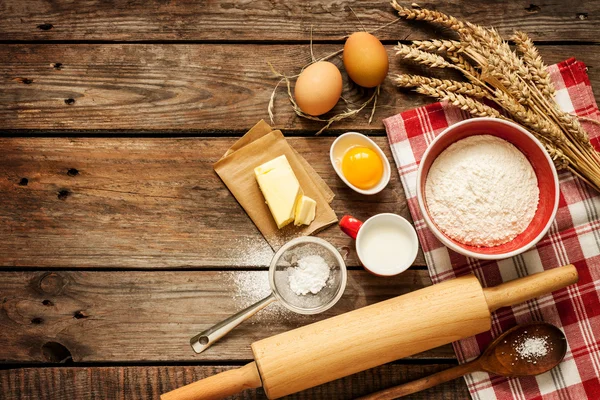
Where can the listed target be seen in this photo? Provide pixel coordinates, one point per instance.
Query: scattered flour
(482, 191)
(248, 251)
(310, 275)
(252, 286)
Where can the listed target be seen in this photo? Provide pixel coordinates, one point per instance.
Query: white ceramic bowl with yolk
(353, 139)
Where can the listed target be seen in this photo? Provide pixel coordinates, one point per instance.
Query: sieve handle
(207, 338)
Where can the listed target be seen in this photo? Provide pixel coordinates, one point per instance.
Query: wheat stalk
(567, 122)
(271, 106)
(422, 57)
(573, 126)
(434, 60)
(465, 103)
(529, 118)
(532, 58)
(463, 63)
(560, 160)
(497, 47)
(517, 81)
(452, 48)
(437, 45)
(422, 14)
(494, 68)
(443, 84)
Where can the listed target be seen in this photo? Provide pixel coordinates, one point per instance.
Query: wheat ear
(437, 17)
(491, 39)
(495, 71)
(517, 81)
(529, 118)
(474, 107)
(462, 62)
(450, 47)
(537, 68)
(574, 127)
(443, 84)
(437, 45)
(422, 57)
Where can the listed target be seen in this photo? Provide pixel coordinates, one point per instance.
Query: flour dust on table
(482, 191)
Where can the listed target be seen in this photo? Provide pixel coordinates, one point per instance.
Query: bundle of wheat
(516, 80)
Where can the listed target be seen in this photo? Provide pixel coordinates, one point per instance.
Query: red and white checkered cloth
(574, 237)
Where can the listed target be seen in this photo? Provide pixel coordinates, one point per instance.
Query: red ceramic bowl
(541, 163)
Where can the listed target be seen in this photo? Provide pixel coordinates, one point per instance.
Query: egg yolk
(362, 167)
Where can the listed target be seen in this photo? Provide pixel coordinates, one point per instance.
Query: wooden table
(117, 240)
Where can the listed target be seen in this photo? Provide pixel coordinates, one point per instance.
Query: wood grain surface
(143, 383)
(276, 20)
(147, 203)
(184, 88)
(103, 186)
(150, 316)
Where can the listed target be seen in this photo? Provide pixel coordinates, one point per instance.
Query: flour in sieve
(482, 191)
(309, 276)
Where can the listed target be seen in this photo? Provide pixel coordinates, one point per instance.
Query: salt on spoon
(497, 359)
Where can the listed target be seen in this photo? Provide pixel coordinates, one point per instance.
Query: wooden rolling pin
(374, 335)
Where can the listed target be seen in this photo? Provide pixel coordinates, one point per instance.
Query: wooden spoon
(500, 358)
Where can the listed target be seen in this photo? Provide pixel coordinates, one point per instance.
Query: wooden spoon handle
(424, 383)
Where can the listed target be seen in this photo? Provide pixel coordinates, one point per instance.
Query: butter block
(281, 189)
(305, 211)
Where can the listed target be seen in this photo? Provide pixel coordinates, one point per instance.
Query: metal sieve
(287, 257)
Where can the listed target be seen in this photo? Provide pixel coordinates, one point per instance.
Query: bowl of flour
(487, 188)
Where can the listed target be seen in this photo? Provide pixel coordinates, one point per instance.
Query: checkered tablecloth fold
(574, 237)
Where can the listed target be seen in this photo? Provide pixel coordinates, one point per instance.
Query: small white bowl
(374, 254)
(353, 139)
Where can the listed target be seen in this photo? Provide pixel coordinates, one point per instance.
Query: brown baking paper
(236, 169)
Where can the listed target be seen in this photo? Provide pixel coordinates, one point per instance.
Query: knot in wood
(52, 283)
(56, 352)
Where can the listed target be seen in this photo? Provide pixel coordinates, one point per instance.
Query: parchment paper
(236, 169)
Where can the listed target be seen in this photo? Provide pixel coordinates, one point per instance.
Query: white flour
(482, 191)
(310, 275)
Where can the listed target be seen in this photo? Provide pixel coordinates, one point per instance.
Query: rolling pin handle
(218, 386)
(529, 287)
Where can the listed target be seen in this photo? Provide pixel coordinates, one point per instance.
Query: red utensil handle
(350, 226)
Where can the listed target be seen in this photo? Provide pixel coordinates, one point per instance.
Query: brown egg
(365, 59)
(318, 88)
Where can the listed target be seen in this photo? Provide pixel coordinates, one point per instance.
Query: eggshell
(365, 59)
(318, 88)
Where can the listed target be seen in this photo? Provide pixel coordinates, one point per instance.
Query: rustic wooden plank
(186, 89)
(147, 203)
(133, 383)
(227, 20)
(150, 316)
